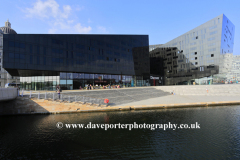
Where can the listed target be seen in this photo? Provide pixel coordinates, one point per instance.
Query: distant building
(232, 66)
(4, 76)
(199, 56)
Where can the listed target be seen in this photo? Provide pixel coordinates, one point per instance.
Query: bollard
(61, 98)
(38, 95)
(75, 98)
(53, 96)
(45, 95)
(22, 92)
(30, 94)
(69, 99)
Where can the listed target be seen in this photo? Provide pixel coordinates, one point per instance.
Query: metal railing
(65, 97)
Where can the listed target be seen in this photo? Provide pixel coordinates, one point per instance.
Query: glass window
(38, 50)
(31, 59)
(63, 75)
(86, 76)
(11, 55)
(30, 47)
(69, 81)
(91, 76)
(44, 51)
(81, 75)
(63, 82)
(69, 76)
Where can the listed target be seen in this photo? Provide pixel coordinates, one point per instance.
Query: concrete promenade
(184, 100)
(130, 99)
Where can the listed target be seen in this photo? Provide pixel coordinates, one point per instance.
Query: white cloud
(80, 29)
(58, 18)
(47, 9)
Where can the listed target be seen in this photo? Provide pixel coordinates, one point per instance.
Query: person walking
(58, 91)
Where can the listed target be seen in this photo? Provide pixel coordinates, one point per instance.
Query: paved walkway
(159, 96)
(178, 99)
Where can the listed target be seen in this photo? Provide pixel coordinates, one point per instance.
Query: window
(44, 61)
(196, 63)
(195, 58)
(210, 39)
(57, 51)
(91, 48)
(212, 55)
(193, 48)
(195, 53)
(38, 50)
(38, 60)
(44, 51)
(30, 48)
(57, 42)
(212, 49)
(31, 59)
(11, 44)
(214, 32)
(79, 46)
(201, 68)
(22, 56)
(109, 45)
(212, 27)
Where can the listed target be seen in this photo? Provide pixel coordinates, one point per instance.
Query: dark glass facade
(199, 56)
(174, 68)
(44, 60)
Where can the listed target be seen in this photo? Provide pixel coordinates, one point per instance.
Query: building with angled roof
(199, 56)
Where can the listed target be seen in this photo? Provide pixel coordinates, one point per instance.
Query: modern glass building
(44, 61)
(196, 56)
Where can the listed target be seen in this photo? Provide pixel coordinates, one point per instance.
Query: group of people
(109, 86)
(90, 87)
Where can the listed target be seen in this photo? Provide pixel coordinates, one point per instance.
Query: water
(37, 137)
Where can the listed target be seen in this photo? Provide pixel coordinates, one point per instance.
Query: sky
(162, 20)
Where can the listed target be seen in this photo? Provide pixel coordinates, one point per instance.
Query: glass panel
(69, 76)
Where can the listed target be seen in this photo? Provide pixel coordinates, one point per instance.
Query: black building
(44, 60)
(172, 67)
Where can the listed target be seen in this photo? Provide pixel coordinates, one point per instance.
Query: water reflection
(36, 136)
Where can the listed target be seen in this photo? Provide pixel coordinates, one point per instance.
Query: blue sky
(161, 20)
